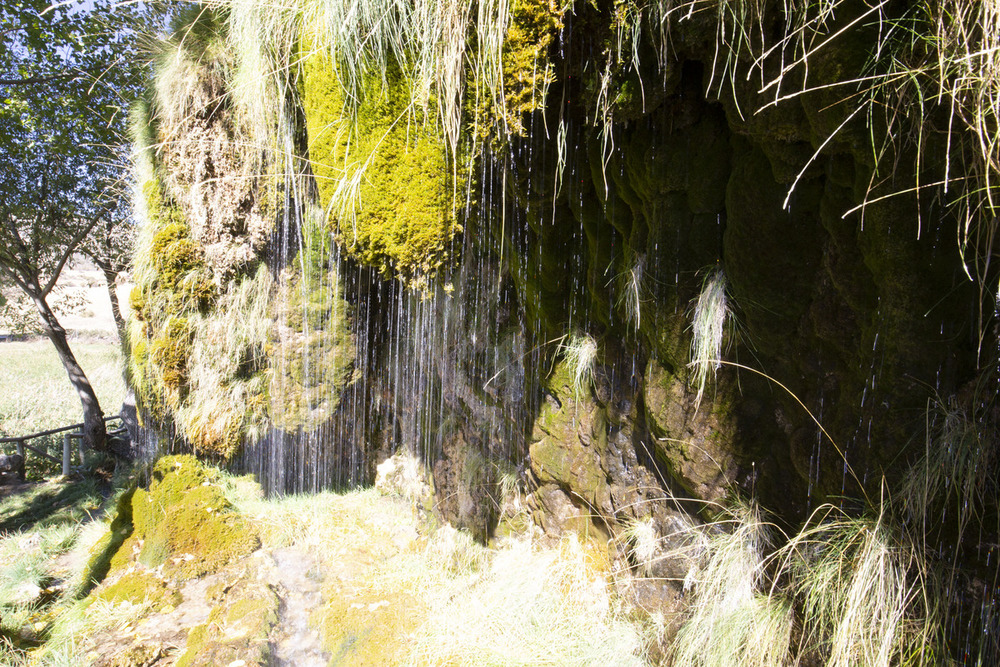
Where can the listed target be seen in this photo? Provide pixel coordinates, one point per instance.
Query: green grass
(45, 536)
(36, 394)
(52, 503)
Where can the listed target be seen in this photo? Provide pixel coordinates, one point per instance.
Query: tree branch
(12, 275)
(52, 78)
(70, 248)
(34, 80)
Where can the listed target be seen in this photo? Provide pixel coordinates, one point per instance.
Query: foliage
(66, 73)
(18, 315)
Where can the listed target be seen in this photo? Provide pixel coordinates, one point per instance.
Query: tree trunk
(111, 278)
(94, 431)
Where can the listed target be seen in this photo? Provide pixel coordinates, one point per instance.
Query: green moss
(104, 551)
(569, 439)
(314, 336)
(172, 285)
(402, 220)
(169, 353)
(184, 522)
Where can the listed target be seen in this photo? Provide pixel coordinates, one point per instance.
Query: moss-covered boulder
(695, 442)
(569, 440)
(183, 523)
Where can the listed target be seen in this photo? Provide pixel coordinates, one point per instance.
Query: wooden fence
(74, 432)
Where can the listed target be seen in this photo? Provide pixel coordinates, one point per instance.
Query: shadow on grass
(49, 504)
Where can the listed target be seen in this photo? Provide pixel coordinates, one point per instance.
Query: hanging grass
(708, 327)
(580, 353)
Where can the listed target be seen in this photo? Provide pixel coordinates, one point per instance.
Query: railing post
(67, 449)
(24, 461)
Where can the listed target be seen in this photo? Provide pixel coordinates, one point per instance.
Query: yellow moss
(169, 352)
(368, 629)
(527, 68)
(172, 283)
(403, 218)
(137, 302)
(137, 587)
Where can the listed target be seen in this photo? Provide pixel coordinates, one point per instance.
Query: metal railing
(72, 432)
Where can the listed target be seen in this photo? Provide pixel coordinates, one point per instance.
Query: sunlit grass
(41, 571)
(36, 394)
(852, 590)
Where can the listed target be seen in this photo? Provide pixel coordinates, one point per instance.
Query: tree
(66, 76)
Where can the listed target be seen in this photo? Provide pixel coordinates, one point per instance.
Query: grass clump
(734, 620)
(957, 479)
(708, 327)
(842, 591)
(868, 597)
(643, 543)
(580, 354)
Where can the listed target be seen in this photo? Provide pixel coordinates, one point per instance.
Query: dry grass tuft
(708, 327)
(580, 352)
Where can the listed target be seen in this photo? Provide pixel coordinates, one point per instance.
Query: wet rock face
(605, 218)
(694, 442)
(849, 316)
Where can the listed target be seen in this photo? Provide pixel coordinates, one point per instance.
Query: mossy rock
(237, 629)
(184, 523)
(367, 629)
(569, 440)
(316, 346)
(403, 219)
(181, 279)
(169, 352)
(696, 442)
(102, 553)
(527, 67)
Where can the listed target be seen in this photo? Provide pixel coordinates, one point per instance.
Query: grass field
(36, 395)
